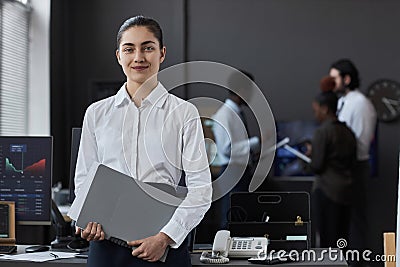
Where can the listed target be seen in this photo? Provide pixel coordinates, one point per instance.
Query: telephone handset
(239, 247)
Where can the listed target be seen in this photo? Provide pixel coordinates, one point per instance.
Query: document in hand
(125, 207)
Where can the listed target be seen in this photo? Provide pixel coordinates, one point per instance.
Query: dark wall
(287, 45)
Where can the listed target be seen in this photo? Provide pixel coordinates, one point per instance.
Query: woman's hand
(308, 149)
(152, 248)
(91, 232)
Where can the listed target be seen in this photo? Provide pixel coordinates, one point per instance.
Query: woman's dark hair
(346, 67)
(149, 23)
(328, 99)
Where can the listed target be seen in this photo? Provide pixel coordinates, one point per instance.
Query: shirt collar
(233, 105)
(121, 96)
(350, 93)
(156, 97)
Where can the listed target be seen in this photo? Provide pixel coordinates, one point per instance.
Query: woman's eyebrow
(148, 42)
(143, 43)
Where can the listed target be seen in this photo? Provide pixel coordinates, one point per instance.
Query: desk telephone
(237, 247)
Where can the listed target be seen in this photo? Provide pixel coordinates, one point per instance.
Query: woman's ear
(163, 52)
(118, 56)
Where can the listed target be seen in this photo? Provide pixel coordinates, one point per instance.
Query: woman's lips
(139, 68)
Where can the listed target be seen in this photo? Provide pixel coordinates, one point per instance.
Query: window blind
(14, 67)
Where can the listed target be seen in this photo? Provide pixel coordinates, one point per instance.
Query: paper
(283, 142)
(40, 256)
(297, 153)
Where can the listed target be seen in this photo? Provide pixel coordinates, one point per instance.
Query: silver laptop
(126, 208)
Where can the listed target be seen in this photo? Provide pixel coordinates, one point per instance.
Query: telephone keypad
(241, 244)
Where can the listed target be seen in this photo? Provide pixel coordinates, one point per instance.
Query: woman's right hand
(92, 231)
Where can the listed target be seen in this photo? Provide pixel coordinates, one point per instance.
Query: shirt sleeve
(222, 139)
(198, 181)
(318, 151)
(87, 154)
(238, 151)
(363, 125)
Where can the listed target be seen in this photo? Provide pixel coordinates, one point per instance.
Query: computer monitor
(26, 177)
(75, 141)
(299, 132)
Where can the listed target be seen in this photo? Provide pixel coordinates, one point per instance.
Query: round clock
(385, 96)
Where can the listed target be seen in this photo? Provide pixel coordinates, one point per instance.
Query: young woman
(333, 155)
(151, 135)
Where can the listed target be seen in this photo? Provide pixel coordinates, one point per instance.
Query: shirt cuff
(176, 232)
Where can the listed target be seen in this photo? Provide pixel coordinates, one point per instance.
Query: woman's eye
(148, 48)
(128, 50)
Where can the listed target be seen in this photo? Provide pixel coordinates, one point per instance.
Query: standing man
(234, 147)
(359, 114)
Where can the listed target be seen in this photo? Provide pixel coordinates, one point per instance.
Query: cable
(208, 258)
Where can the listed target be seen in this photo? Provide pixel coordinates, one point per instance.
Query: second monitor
(26, 177)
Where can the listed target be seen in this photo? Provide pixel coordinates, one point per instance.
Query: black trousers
(107, 254)
(332, 219)
(359, 221)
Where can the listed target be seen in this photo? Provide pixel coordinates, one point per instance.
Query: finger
(135, 243)
(77, 230)
(143, 255)
(98, 232)
(93, 231)
(136, 252)
(152, 259)
(85, 233)
(102, 235)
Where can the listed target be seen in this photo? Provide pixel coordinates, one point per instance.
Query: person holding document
(333, 154)
(151, 135)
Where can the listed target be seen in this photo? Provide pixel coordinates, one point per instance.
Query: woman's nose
(139, 56)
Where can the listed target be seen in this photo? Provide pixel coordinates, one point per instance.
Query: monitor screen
(299, 132)
(4, 221)
(26, 177)
(75, 141)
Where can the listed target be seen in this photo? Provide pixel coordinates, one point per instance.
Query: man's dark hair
(347, 67)
(149, 23)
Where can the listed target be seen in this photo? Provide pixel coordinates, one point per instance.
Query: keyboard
(7, 249)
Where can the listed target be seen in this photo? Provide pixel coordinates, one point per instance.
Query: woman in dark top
(333, 155)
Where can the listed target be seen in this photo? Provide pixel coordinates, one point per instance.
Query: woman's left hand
(152, 248)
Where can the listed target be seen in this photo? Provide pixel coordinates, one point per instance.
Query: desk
(75, 262)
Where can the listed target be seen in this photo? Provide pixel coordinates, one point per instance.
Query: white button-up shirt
(360, 116)
(231, 139)
(151, 143)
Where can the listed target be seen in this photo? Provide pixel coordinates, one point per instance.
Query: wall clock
(385, 96)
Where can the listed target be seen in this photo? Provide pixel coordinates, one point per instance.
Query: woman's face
(139, 54)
